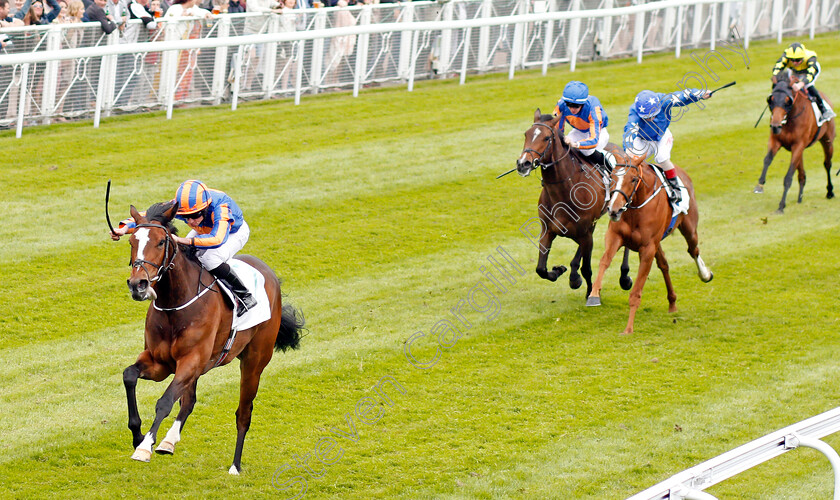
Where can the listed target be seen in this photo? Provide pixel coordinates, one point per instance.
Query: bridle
(629, 198)
(168, 259)
(540, 161)
(787, 107)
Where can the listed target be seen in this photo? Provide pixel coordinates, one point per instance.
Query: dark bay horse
(640, 215)
(793, 127)
(187, 328)
(572, 199)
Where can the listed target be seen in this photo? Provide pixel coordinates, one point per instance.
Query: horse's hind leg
(147, 368)
(688, 228)
(801, 170)
(167, 446)
(586, 267)
(828, 150)
(795, 159)
(253, 361)
(646, 256)
(662, 264)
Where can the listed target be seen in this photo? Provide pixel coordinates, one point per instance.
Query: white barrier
(690, 483)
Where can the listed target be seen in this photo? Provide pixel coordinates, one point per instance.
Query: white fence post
(362, 49)
(406, 38)
(638, 36)
(51, 75)
(550, 6)
(315, 75)
(220, 62)
(574, 36)
(24, 83)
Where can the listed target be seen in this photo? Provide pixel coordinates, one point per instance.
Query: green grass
(378, 212)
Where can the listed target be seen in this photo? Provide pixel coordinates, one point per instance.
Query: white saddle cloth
(254, 281)
(682, 206)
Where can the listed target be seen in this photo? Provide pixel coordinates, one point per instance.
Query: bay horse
(573, 198)
(794, 127)
(187, 330)
(640, 216)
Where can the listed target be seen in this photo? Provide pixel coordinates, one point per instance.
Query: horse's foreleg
(186, 374)
(768, 159)
(145, 367)
(586, 266)
(828, 150)
(542, 263)
(574, 278)
(662, 264)
(612, 242)
(646, 255)
(251, 366)
(800, 167)
(688, 228)
(167, 446)
(625, 281)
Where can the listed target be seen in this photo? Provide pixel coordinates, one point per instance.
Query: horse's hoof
(759, 189)
(142, 455)
(625, 282)
(165, 448)
(593, 301)
(575, 281)
(780, 211)
(829, 195)
(233, 471)
(628, 331)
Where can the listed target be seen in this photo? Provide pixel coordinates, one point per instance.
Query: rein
(629, 198)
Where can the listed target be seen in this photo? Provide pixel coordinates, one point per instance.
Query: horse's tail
(291, 323)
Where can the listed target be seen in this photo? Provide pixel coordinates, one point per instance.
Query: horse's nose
(139, 289)
(776, 129)
(615, 215)
(524, 167)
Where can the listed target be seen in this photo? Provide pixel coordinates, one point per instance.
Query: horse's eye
(161, 242)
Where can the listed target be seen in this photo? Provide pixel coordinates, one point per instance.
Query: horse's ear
(170, 212)
(136, 215)
(553, 122)
(537, 115)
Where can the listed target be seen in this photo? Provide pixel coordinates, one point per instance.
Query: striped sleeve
(780, 65)
(221, 229)
(594, 129)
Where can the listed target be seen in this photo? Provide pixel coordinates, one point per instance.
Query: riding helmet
(647, 104)
(575, 92)
(795, 51)
(191, 197)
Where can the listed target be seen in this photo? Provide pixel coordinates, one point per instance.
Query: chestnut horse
(187, 330)
(793, 127)
(573, 198)
(642, 195)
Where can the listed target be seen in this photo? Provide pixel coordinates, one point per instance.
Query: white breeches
(661, 149)
(211, 258)
(577, 136)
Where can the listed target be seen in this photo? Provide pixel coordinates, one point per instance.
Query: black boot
(827, 113)
(600, 159)
(225, 274)
(676, 195)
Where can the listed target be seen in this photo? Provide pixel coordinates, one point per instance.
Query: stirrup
(245, 304)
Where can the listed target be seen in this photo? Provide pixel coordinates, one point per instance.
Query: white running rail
(690, 483)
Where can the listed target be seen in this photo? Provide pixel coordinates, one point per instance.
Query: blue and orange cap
(191, 197)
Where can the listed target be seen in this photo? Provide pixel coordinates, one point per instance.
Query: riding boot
(226, 275)
(601, 159)
(676, 195)
(827, 112)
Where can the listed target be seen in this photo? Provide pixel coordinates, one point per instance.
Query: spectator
(156, 8)
(118, 9)
(96, 13)
(139, 9)
(20, 8)
(36, 14)
(62, 15)
(70, 86)
(5, 20)
(186, 30)
(236, 6)
(255, 25)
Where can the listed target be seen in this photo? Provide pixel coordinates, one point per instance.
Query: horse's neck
(562, 165)
(648, 185)
(180, 282)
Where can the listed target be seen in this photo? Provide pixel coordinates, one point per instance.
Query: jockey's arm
(779, 66)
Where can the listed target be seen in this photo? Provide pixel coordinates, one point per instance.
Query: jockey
(218, 231)
(803, 63)
(647, 132)
(588, 120)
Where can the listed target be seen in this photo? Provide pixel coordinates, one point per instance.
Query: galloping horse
(794, 127)
(641, 194)
(187, 330)
(573, 198)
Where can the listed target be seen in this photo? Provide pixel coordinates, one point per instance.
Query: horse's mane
(158, 213)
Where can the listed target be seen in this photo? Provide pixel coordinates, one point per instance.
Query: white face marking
(616, 193)
(537, 133)
(142, 236)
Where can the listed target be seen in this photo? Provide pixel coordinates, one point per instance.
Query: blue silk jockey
(589, 121)
(218, 231)
(646, 132)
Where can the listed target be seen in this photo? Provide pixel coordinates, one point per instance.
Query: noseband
(168, 259)
(627, 198)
